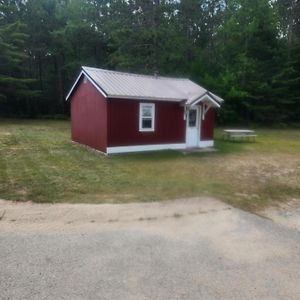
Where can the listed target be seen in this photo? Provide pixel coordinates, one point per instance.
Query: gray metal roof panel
(126, 85)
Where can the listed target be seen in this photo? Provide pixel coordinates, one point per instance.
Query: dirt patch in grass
(259, 179)
(285, 213)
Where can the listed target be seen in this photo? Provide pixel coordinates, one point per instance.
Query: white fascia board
(202, 98)
(140, 148)
(83, 72)
(144, 98)
(191, 100)
(72, 88)
(219, 99)
(90, 80)
(94, 84)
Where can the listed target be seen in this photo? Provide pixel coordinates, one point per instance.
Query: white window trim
(141, 129)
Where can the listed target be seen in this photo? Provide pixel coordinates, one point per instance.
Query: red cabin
(116, 112)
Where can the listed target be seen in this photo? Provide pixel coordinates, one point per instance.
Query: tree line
(246, 51)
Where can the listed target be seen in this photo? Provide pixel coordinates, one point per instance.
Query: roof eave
(146, 98)
(216, 100)
(204, 96)
(83, 72)
(74, 85)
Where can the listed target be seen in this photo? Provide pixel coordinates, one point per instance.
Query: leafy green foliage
(11, 56)
(246, 51)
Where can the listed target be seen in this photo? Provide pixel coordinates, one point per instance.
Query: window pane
(146, 123)
(146, 111)
(192, 118)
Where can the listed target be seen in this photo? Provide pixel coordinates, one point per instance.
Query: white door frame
(198, 127)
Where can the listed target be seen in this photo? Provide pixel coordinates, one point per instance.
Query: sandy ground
(28, 216)
(23, 216)
(286, 214)
(197, 248)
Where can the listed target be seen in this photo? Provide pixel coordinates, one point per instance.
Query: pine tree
(248, 52)
(287, 82)
(14, 85)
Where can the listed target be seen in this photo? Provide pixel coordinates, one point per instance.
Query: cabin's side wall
(207, 126)
(123, 124)
(89, 116)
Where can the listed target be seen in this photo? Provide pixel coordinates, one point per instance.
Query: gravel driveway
(185, 249)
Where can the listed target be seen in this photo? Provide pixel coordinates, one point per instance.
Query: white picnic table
(233, 134)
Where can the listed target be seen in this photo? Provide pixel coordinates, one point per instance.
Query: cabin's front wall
(207, 126)
(123, 126)
(89, 116)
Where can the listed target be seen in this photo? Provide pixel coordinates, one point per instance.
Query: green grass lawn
(38, 162)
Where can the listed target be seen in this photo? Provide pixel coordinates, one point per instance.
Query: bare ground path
(28, 216)
(196, 248)
(286, 213)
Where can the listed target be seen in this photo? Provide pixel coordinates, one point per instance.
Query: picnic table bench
(242, 134)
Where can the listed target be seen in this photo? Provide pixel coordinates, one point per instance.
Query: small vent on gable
(85, 80)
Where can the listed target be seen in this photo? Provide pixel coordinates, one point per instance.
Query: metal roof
(113, 84)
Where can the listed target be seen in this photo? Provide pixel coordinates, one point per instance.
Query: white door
(192, 129)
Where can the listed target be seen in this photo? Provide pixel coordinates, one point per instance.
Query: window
(192, 118)
(147, 116)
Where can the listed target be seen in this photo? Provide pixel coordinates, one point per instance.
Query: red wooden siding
(123, 123)
(207, 126)
(89, 116)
